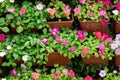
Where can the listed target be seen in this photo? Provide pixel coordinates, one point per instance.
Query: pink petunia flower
(45, 41)
(91, 14)
(82, 1)
(71, 73)
(81, 36)
(56, 75)
(39, 6)
(65, 71)
(64, 42)
(76, 10)
(103, 12)
(22, 11)
(101, 46)
(101, 52)
(72, 48)
(108, 40)
(11, 10)
(88, 78)
(35, 76)
(58, 38)
(85, 51)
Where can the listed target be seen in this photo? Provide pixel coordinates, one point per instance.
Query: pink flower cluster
(65, 72)
(13, 72)
(81, 35)
(54, 31)
(101, 49)
(105, 2)
(35, 76)
(88, 78)
(103, 36)
(45, 41)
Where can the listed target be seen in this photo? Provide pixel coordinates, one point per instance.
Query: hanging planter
(1, 60)
(57, 58)
(117, 60)
(94, 60)
(93, 26)
(117, 26)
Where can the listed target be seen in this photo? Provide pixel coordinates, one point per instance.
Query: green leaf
(9, 16)
(26, 43)
(29, 64)
(19, 29)
(5, 29)
(16, 56)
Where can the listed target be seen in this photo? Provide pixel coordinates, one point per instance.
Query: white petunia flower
(39, 6)
(25, 58)
(9, 47)
(114, 71)
(2, 0)
(2, 54)
(12, 1)
(115, 12)
(3, 79)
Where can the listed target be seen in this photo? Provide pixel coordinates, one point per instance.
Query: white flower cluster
(2, 54)
(25, 58)
(115, 12)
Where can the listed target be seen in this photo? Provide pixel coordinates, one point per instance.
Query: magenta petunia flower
(101, 52)
(108, 40)
(56, 75)
(88, 78)
(76, 10)
(81, 36)
(22, 11)
(72, 48)
(103, 12)
(71, 73)
(2, 37)
(101, 46)
(118, 6)
(45, 41)
(104, 22)
(64, 42)
(13, 72)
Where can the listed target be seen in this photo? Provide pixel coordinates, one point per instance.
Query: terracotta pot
(117, 26)
(93, 26)
(94, 60)
(117, 60)
(61, 23)
(56, 58)
(1, 60)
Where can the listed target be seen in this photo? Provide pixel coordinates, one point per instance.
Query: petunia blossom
(76, 10)
(72, 48)
(39, 6)
(56, 75)
(22, 11)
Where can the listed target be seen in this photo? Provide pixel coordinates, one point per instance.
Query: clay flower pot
(117, 26)
(117, 60)
(93, 26)
(94, 60)
(60, 24)
(1, 60)
(57, 58)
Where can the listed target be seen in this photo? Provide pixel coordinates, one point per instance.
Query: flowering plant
(25, 47)
(27, 16)
(115, 45)
(64, 41)
(96, 44)
(116, 11)
(58, 10)
(92, 10)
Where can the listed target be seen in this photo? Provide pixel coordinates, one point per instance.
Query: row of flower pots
(22, 17)
(35, 48)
